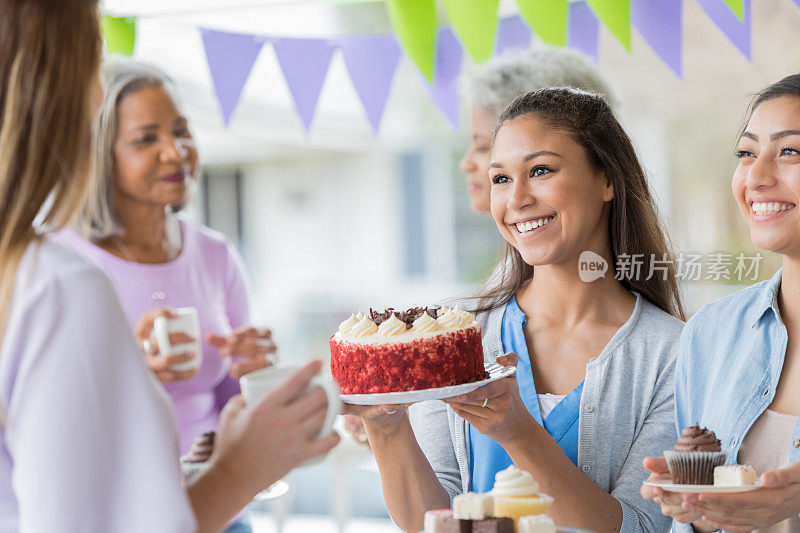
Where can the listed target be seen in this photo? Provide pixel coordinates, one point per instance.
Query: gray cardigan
(626, 414)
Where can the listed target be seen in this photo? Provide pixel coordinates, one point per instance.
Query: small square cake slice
(536, 524)
(456, 525)
(734, 476)
(473, 506)
(501, 524)
(434, 520)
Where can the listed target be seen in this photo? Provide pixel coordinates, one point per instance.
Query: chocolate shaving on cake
(408, 316)
(379, 317)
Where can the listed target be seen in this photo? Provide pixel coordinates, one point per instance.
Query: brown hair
(788, 86)
(49, 56)
(634, 225)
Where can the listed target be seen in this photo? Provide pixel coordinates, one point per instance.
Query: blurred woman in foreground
(87, 438)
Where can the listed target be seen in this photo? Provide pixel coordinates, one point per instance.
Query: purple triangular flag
(660, 23)
(512, 32)
(230, 58)
(444, 89)
(738, 31)
(583, 29)
(797, 2)
(371, 62)
(304, 63)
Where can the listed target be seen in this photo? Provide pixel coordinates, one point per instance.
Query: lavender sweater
(209, 275)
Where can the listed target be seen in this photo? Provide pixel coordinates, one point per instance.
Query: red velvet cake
(393, 351)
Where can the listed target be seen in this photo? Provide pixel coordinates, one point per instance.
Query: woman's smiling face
(547, 200)
(766, 183)
(155, 156)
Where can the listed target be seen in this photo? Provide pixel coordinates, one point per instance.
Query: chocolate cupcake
(196, 460)
(693, 458)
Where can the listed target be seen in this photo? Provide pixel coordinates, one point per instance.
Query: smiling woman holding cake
(593, 392)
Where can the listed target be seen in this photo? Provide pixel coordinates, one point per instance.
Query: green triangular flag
(548, 18)
(120, 33)
(475, 23)
(414, 22)
(616, 15)
(737, 6)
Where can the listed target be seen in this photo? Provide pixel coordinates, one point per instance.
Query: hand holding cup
(169, 365)
(262, 439)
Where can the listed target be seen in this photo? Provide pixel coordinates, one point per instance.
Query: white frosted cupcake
(516, 494)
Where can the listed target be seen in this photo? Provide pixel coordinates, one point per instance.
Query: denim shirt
(729, 362)
(487, 458)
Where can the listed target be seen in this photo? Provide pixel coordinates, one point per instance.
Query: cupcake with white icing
(516, 494)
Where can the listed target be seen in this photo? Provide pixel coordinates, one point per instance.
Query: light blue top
(487, 457)
(729, 363)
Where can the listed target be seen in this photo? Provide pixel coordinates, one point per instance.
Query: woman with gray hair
(146, 160)
(490, 87)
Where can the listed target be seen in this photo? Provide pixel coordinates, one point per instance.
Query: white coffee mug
(259, 383)
(187, 322)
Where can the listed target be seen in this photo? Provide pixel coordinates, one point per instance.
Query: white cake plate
(699, 489)
(276, 490)
(387, 398)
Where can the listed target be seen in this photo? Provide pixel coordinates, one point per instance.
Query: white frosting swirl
(449, 319)
(514, 482)
(364, 327)
(442, 310)
(464, 317)
(345, 326)
(425, 324)
(392, 326)
(360, 315)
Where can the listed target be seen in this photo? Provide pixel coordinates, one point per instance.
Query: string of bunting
(371, 60)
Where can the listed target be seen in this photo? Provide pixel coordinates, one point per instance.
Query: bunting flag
(475, 22)
(304, 63)
(737, 31)
(512, 32)
(120, 34)
(584, 29)
(230, 59)
(444, 89)
(660, 23)
(616, 15)
(414, 23)
(548, 18)
(371, 62)
(737, 7)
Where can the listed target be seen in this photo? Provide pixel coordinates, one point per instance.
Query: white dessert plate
(276, 490)
(387, 398)
(564, 530)
(699, 489)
